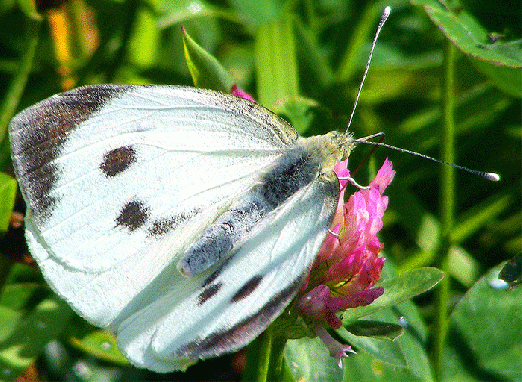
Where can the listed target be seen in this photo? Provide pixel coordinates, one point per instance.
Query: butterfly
(184, 220)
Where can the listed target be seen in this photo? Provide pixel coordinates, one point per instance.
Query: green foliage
(500, 61)
(486, 328)
(397, 290)
(7, 198)
(30, 316)
(304, 60)
(206, 71)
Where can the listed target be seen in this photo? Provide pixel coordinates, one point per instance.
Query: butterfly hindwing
(235, 301)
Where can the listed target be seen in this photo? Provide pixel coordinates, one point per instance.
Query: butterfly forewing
(120, 172)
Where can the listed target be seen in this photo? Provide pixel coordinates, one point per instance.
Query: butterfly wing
(119, 180)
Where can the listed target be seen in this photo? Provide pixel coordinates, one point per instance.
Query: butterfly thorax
(328, 149)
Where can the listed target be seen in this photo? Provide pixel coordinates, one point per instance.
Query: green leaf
(27, 336)
(465, 31)
(363, 367)
(276, 62)
(258, 12)
(485, 338)
(8, 187)
(505, 78)
(462, 266)
(479, 216)
(21, 273)
(421, 224)
(396, 290)
(30, 316)
(312, 56)
(367, 22)
(480, 106)
(29, 9)
(309, 360)
(8, 320)
(501, 61)
(386, 351)
(181, 11)
(299, 111)
(144, 40)
(16, 87)
(205, 69)
(22, 296)
(406, 352)
(377, 329)
(403, 359)
(100, 344)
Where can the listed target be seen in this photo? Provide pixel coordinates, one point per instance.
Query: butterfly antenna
(366, 140)
(384, 17)
(486, 175)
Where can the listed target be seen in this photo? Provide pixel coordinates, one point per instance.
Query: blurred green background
(446, 81)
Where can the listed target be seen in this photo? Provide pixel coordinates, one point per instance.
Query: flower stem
(277, 366)
(258, 358)
(17, 86)
(265, 360)
(447, 203)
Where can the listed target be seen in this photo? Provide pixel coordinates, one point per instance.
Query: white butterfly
(183, 219)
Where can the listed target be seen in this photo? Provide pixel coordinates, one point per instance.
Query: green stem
(258, 358)
(447, 203)
(17, 86)
(277, 365)
(131, 13)
(265, 360)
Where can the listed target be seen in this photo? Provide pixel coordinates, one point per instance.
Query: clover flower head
(348, 264)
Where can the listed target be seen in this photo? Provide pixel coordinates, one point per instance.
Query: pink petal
(313, 303)
(362, 298)
(384, 176)
(240, 93)
(341, 169)
(329, 246)
(337, 350)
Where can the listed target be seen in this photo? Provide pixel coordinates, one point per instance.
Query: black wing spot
(132, 216)
(227, 339)
(162, 226)
(247, 289)
(118, 160)
(208, 293)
